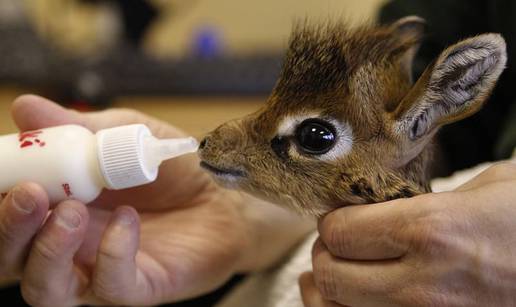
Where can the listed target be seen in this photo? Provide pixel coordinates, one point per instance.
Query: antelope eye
(315, 136)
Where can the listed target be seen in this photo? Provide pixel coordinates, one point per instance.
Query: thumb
(32, 112)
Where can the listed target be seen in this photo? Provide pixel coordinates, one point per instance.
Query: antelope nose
(203, 143)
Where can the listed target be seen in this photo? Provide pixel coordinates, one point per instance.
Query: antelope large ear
(453, 87)
(408, 32)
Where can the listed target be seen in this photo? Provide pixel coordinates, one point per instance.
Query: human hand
(445, 249)
(181, 236)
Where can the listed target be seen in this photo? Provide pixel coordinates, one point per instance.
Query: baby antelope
(345, 123)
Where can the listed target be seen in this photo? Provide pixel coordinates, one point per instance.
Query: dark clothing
(491, 133)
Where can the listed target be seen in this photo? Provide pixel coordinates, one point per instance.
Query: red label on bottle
(30, 138)
(67, 189)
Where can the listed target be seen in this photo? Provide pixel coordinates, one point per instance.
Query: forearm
(273, 232)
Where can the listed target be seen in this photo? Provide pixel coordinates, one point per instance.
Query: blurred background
(171, 59)
(199, 63)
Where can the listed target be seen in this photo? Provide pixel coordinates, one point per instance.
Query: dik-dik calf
(345, 123)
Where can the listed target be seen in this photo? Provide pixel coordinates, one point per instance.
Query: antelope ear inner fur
(454, 87)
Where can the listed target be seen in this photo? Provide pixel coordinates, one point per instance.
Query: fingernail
(124, 219)
(22, 200)
(68, 217)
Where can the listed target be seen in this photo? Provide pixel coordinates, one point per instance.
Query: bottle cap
(129, 155)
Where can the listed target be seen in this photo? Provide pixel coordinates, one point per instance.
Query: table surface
(196, 116)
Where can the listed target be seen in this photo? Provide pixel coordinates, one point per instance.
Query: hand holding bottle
(181, 236)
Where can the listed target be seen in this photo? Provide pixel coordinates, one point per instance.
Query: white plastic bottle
(71, 162)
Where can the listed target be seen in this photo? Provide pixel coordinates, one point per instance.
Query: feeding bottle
(70, 162)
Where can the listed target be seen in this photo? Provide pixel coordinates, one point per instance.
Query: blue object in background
(207, 43)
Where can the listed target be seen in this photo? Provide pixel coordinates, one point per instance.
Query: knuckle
(431, 233)
(324, 278)
(337, 234)
(46, 251)
(340, 243)
(109, 291)
(112, 254)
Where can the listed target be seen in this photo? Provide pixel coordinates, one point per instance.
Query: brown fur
(361, 77)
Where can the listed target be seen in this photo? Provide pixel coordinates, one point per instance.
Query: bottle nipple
(159, 150)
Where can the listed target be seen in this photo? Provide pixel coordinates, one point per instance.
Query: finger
(502, 171)
(355, 283)
(116, 277)
(368, 232)
(310, 294)
(32, 112)
(22, 212)
(50, 278)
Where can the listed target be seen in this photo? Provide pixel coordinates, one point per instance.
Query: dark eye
(315, 136)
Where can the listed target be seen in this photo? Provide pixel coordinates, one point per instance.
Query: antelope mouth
(222, 172)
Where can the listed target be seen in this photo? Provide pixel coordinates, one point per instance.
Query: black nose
(203, 143)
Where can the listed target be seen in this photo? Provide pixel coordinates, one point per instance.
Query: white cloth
(278, 287)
